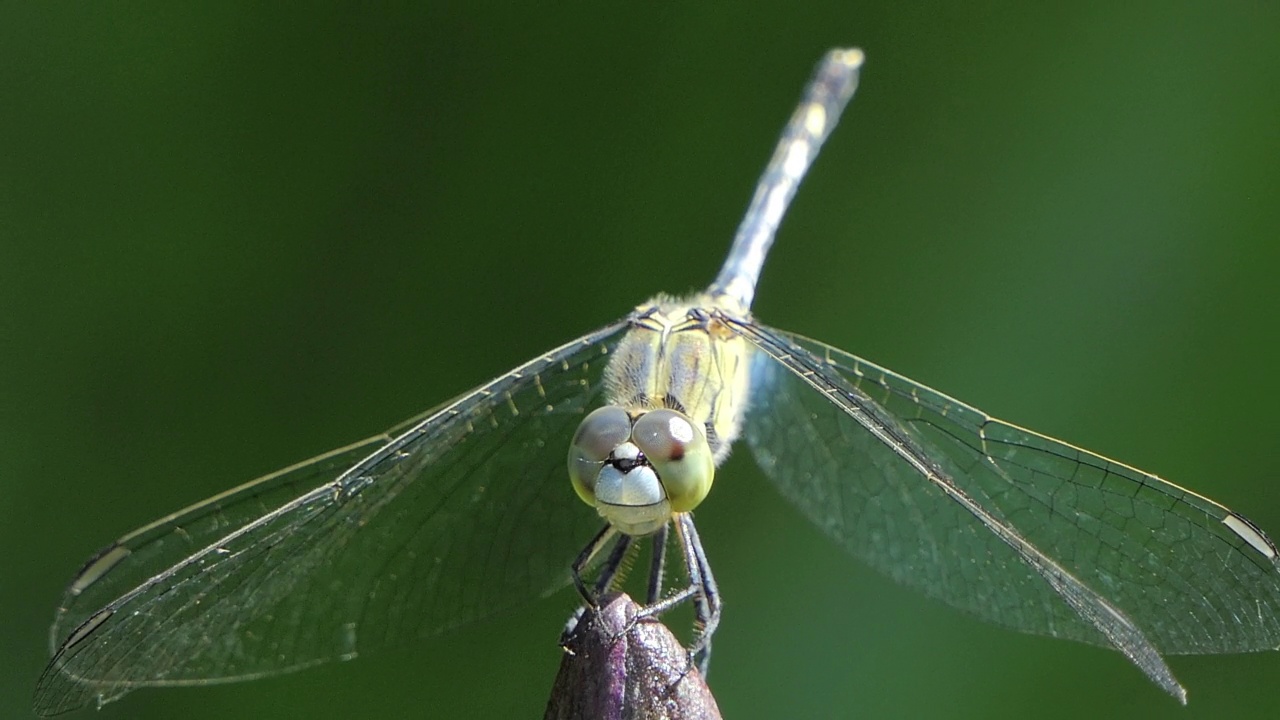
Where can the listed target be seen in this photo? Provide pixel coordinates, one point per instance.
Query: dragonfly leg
(706, 596)
(613, 565)
(609, 570)
(665, 604)
(584, 559)
(657, 566)
(701, 590)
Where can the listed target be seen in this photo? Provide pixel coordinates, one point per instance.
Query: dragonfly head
(636, 471)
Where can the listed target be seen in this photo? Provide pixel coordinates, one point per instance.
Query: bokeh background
(233, 237)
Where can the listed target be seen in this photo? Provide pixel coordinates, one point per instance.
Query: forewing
(1193, 576)
(440, 521)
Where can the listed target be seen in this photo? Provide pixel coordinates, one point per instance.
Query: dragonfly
(468, 509)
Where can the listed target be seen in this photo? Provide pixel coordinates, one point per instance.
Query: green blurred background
(233, 237)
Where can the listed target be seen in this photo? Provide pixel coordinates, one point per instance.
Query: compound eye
(598, 434)
(677, 448)
(664, 435)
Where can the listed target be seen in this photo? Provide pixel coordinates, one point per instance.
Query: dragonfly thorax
(637, 470)
(680, 354)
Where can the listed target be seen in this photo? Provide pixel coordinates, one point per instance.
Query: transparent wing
(1183, 572)
(455, 515)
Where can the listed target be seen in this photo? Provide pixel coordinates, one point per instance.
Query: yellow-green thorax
(680, 355)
